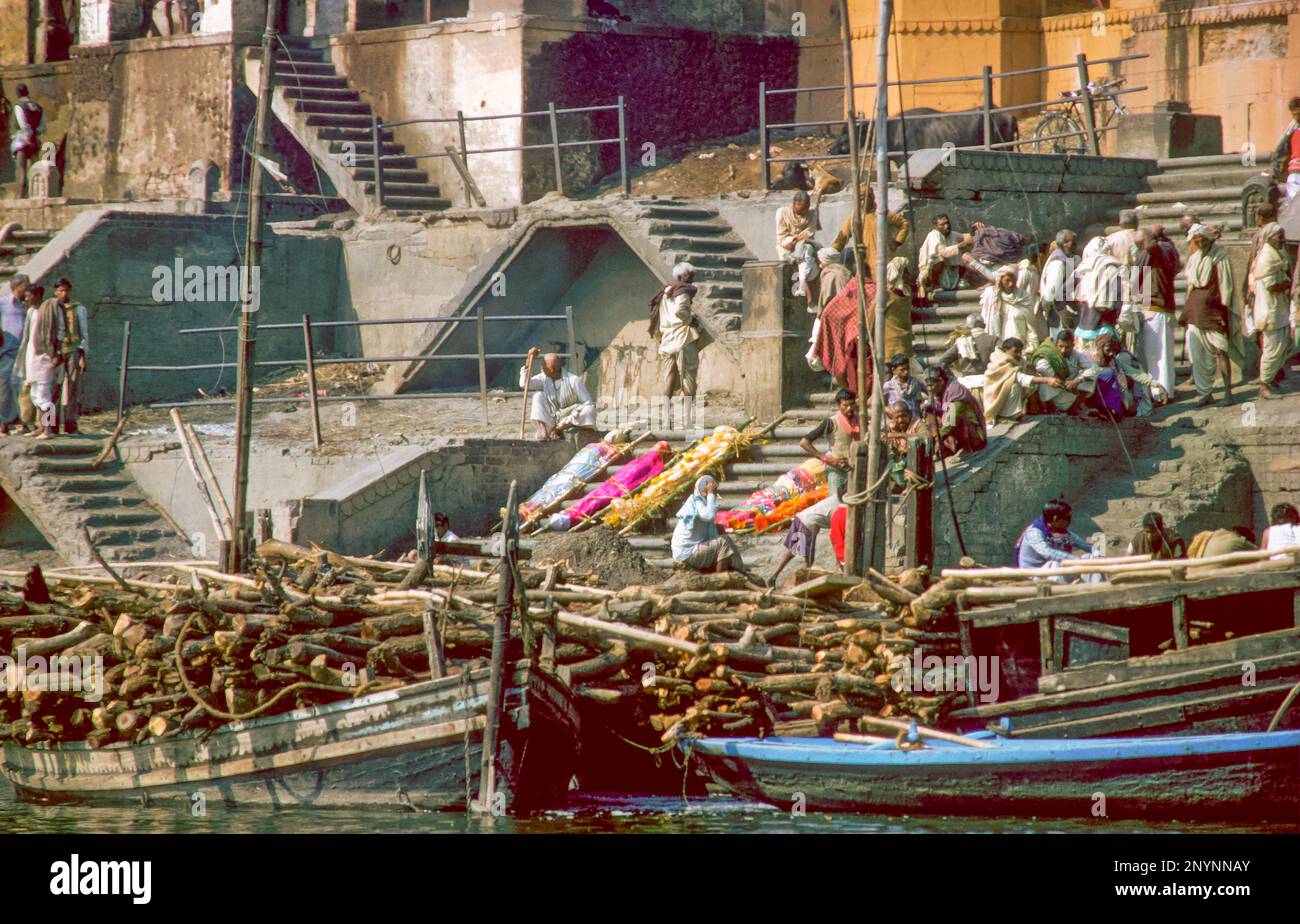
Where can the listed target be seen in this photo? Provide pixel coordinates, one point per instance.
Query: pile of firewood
(192, 648)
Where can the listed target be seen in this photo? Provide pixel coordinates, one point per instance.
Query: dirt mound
(600, 551)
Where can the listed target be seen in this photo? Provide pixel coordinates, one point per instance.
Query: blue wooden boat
(1251, 774)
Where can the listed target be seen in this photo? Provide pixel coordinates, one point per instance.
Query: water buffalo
(931, 128)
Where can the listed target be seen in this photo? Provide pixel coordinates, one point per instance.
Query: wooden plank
(1129, 598)
(825, 585)
(1107, 642)
(1237, 649)
(1094, 629)
(1046, 653)
(1181, 639)
(1042, 701)
(1112, 723)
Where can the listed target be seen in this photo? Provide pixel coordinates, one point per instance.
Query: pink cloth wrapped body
(627, 479)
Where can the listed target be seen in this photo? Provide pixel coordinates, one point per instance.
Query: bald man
(560, 400)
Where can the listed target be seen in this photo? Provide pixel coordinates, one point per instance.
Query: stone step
(85, 485)
(1198, 195)
(107, 500)
(124, 518)
(767, 470)
(66, 465)
(1202, 178)
(416, 204)
(66, 446)
(701, 245)
(689, 228)
(359, 135)
(1166, 164)
(363, 154)
(320, 81)
(733, 293)
(33, 234)
(1213, 211)
(710, 274)
(341, 94)
(331, 107)
(407, 190)
(712, 260)
(340, 121)
(124, 535)
(399, 176)
(286, 70)
(676, 212)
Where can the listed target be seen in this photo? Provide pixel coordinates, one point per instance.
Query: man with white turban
(1211, 298)
(1008, 310)
(1270, 315)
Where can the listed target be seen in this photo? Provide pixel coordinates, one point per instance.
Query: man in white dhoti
(38, 367)
(939, 260)
(796, 226)
(1270, 315)
(1073, 373)
(1056, 287)
(1158, 263)
(673, 322)
(1207, 310)
(560, 401)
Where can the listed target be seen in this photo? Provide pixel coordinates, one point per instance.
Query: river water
(588, 813)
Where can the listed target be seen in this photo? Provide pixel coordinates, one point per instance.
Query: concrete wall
(1273, 452)
(423, 72)
(113, 259)
(375, 507)
(1022, 468)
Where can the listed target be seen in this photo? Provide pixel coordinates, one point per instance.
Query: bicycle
(1068, 120)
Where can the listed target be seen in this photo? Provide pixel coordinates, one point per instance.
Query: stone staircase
(18, 245)
(1210, 186)
(697, 234)
(57, 487)
(327, 116)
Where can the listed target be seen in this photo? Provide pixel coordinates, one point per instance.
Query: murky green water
(587, 814)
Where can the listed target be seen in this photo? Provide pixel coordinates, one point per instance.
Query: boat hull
(1253, 776)
(417, 746)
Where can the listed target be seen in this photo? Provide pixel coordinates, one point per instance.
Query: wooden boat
(1181, 656)
(418, 745)
(1248, 775)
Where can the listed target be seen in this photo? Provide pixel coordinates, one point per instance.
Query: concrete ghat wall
(1023, 467)
(375, 507)
(1272, 450)
(111, 258)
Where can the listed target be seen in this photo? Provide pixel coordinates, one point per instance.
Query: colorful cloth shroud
(787, 509)
(708, 455)
(798, 482)
(584, 465)
(626, 480)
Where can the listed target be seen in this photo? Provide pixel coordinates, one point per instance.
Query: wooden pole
(523, 417)
(854, 525)
(425, 531)
(309, 351)
(500, 639)
(206, 467)
(555, 150)
(988, 107)
(202, 485)
(376, 140)
(121, 372)
(1089, 114)
(248, 314)
(464, 154)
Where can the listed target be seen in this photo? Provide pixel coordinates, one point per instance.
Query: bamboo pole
(922, 731)
(1119, 566)
(206, 467)
(199, 481)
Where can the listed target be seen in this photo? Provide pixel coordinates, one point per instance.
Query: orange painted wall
(1235, 59)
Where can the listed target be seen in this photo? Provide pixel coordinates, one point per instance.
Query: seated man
(1072, 374)
(796, 227)
(955, 417)
(560, 400)
(939, 262)
(1213, 542)
(969, 349)
(1156, 540)
(1047, 542)
(1005, 383)
(696, 541)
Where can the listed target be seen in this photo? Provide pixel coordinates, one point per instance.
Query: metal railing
(459, 155)
(309, 360)
(1091, 132)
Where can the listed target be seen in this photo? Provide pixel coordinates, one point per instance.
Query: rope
(1286, 704)
(236, 716)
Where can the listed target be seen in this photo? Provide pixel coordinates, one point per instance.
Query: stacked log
(195, 648)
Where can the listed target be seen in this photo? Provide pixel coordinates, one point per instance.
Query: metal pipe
(441, 319)
(764, 152)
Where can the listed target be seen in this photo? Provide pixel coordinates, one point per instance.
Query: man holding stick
(560, 401)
